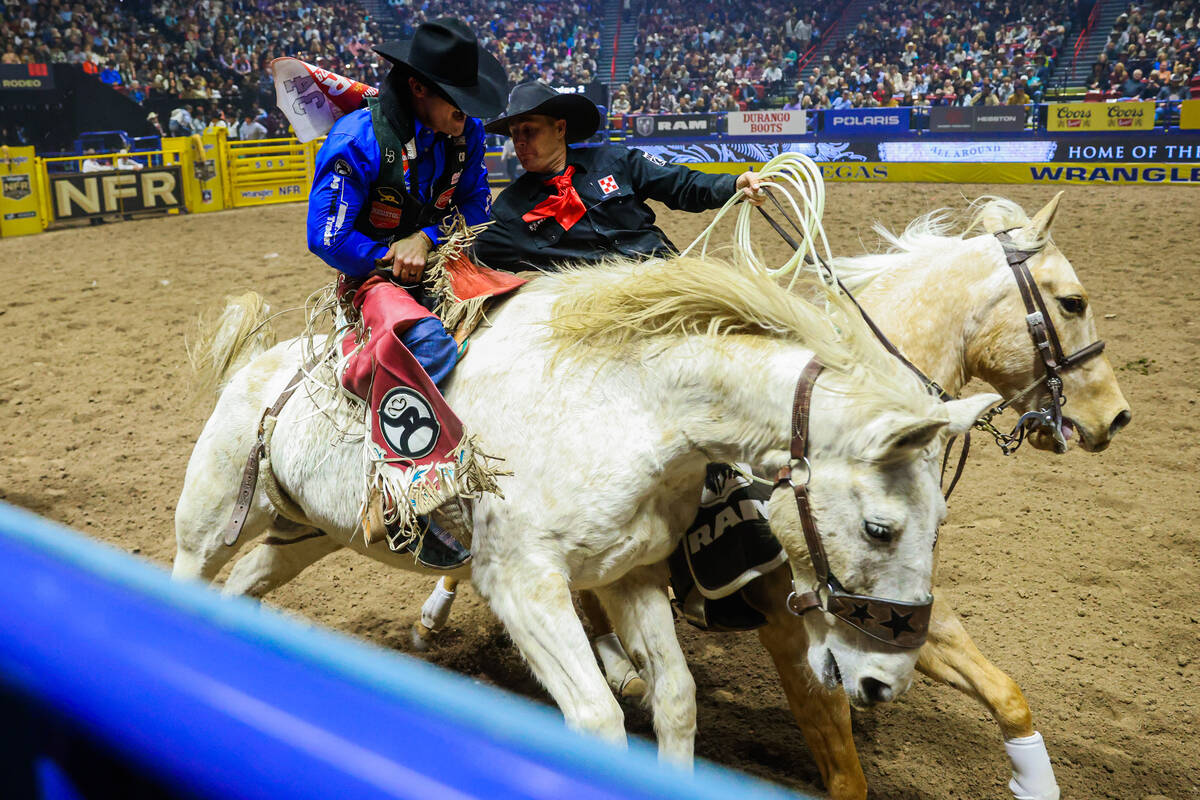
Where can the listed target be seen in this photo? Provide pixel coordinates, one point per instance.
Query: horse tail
(219, 347)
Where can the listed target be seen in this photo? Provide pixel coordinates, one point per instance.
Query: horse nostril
(876, 691)
(1121, 421)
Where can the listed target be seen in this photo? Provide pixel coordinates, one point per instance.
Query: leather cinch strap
(245, 496)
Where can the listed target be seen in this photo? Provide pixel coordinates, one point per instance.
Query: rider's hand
(407, 257)
(748, 184)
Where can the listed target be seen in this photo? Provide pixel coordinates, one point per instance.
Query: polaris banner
(865, 121)
(677, 125)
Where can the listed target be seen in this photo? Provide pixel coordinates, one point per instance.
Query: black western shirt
(614, 183)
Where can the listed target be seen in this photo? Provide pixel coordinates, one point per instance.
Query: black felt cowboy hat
(538, 97)
(445, 53)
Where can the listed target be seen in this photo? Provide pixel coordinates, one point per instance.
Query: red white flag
(312, 98)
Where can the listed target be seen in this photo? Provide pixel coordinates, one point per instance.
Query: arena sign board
(1189, 115)
(95, 194)
(26, 78)
(981, 119)
(678, 125)
(1123, 116)
(774, 122)
(860, 121)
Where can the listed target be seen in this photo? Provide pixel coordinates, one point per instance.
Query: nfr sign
(118, 192)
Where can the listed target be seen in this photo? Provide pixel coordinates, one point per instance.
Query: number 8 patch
(608, 184)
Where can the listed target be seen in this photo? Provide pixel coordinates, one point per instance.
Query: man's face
(540, 141)
(435, 111)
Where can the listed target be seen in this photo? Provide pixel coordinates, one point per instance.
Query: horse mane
(617, 307)
(932, 233)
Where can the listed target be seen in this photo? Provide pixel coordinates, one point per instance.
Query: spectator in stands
(1132, 88)
(251, 129)
(180, 122)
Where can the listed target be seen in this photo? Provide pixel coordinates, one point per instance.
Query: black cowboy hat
(445, 53)
(538, 97)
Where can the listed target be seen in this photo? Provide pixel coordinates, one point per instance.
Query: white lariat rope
(798, 179)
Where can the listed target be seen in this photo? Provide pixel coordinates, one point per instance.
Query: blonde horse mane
(934, 232)
(620, 306)
(218, 346)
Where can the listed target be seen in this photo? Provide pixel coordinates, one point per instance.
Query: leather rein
(894, 622)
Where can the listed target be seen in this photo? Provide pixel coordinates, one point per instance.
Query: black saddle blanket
(728, 545)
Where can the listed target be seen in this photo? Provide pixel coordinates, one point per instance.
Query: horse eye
(877, 531)
(1073, 304)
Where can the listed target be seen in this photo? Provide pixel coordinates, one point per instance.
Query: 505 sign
(118, 192)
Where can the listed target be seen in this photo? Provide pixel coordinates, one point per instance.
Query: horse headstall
(893, 622)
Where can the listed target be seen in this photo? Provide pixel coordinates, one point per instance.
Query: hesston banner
(988, 119)
(95, 194)
(1122, 116)
(757, 123)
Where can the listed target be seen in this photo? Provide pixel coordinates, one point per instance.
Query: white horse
(608, 390)
(951, 305)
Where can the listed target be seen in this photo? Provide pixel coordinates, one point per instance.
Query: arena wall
(206, 173)
(117, 681)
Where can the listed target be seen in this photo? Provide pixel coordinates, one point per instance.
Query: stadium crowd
(717, 56)
(558, 42)
(210, 58)
(1151, 53)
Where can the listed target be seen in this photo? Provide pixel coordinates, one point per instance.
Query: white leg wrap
(1033, 777)
(436, 610)
(617, 665)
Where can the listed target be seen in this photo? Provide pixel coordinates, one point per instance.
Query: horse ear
(911, 437)
(1039, 226)
(963, 413)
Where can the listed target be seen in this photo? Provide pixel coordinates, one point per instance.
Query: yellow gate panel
(21, 190)
(265, 171)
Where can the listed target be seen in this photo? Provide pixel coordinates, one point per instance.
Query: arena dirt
(1077, 575)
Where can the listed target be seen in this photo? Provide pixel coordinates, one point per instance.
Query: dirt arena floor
(1078, 575)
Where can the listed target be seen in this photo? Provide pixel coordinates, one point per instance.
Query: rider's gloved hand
(407, 256)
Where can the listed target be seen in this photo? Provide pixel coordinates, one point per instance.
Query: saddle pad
(728, 545)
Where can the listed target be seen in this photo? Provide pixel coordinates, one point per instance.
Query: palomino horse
(608, 390)
(951, 305)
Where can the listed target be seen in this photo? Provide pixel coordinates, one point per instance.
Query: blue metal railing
(104, 660)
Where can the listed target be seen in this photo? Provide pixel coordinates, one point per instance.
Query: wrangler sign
(118, 192)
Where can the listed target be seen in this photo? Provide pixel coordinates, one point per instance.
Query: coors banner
(312, 98)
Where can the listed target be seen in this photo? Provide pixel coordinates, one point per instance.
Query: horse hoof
(421, 637)
(633, 686)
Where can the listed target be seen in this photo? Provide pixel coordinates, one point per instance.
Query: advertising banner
(999, 119)
(860, 121)
(19, 192)
(1094, 174)
(951, 119)
(1124, 116)
(985, 119)
(95, 194)
(648, 125)
(767, 123)
(26, 78)
(1189, 114)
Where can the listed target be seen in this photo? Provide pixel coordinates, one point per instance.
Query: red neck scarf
(564, 205)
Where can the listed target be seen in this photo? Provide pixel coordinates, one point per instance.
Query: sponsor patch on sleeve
(342, 167)
(653, 158)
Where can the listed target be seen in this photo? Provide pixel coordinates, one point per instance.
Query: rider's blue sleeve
(472, 196)
(346, 165)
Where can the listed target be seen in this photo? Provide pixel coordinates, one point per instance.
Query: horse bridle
(893, 622)
(1054, 361)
